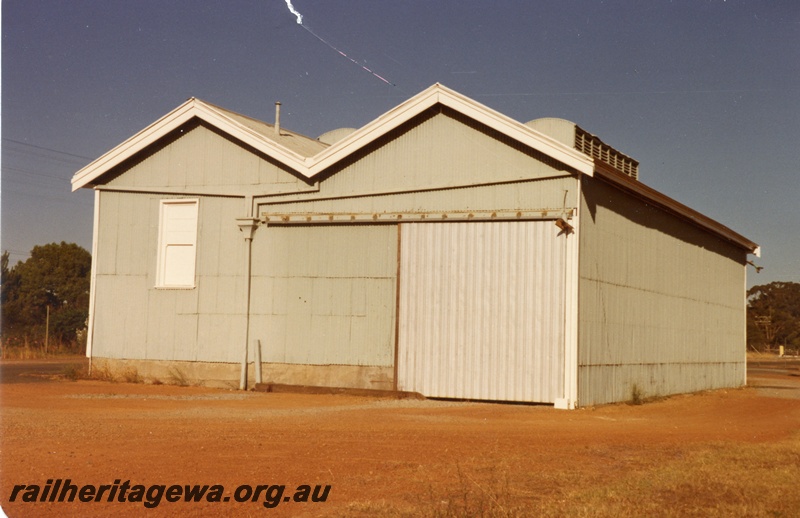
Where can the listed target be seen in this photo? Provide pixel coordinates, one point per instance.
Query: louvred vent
(592, 146)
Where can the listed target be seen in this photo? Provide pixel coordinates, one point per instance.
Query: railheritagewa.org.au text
(152, 495)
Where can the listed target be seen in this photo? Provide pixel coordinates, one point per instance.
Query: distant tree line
(55, 279)
(773, 317)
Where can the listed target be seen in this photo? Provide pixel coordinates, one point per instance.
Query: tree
(55, 275)
(773, 316)
(9, 285)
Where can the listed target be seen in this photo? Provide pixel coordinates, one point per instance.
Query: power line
(47, 149)
(38, 183)
(25, 171)
(33, 155)
(69, 201)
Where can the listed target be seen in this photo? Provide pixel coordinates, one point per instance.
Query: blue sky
(704, 93)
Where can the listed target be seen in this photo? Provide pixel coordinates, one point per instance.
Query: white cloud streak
(294, 12)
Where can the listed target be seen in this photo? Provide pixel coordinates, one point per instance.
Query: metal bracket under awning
(394, 217)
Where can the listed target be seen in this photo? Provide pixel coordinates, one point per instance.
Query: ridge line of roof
(260, 137)
(258, 121)
(310, 166)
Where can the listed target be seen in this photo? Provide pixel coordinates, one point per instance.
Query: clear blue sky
(704, 93)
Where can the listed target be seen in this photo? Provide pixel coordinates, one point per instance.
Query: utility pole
(47, 329)
(765, 322)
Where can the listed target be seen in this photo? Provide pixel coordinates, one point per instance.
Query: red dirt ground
(378, 455)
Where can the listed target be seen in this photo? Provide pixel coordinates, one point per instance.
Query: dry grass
(24, 349)
(177, 377)
(75, 372)
(756, 355)
(637, 396)
(712, 481)
(489, 496)
(102, 372)
(131, 375)
(741, 480)
(380, 508)
(744, 480)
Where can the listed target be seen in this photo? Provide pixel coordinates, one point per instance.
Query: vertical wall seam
(397, 305)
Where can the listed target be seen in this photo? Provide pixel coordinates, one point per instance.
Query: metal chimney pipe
(278, 118)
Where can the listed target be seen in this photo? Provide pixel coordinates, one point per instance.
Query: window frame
(164, 244)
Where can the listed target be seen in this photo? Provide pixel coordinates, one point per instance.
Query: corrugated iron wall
(437, 152)
(662, 305)
(136, 320)
(133, 319)
(343, 271)
(198, 158)
(482, 310)
(325, 294)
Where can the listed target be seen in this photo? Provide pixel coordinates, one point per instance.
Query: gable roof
(309, 157)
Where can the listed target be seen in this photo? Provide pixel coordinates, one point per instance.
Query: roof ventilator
(593, 147)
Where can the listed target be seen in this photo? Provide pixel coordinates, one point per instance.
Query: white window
(177, 243)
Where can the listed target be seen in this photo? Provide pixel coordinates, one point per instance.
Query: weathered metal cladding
(133, 318)
(661, 305)
(482, 310)
(436, 152)
(199, 159)
(325, 294)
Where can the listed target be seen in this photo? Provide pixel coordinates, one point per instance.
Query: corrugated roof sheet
(296, 142)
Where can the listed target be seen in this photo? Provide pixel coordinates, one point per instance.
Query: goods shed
(443, 248)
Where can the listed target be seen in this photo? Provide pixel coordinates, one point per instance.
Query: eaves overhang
(191, 109)
(624, 182)
(439, 94)
(314, 165)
